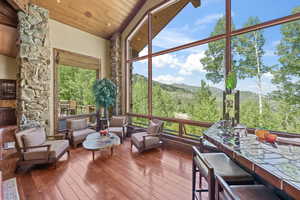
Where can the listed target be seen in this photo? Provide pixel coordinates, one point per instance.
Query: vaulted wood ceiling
(98, 17)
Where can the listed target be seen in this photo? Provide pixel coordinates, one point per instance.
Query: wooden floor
(156, 175)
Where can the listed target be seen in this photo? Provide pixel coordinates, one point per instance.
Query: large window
(267, 62)
(194, 46)
(75, 90)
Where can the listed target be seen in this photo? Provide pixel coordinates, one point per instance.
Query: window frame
(229, 33)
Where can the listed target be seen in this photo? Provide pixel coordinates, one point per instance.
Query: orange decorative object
(261, 134)
(271, 138)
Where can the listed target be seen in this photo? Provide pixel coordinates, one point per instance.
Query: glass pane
(250, 12)
(139, 92)
(188, 84)
(183, 22)
(267, 64)
(141, 122)
(75, 91)
(138, 43)
(194, 131)
(171, 128)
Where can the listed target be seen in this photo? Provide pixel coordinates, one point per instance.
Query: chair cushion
(246, 192)
(20, 134)
(137, 139)
(81, 134)
(153, 128)
(225, 167)
(77, 124)
(56, 148)
(117, 121)
(34, 138)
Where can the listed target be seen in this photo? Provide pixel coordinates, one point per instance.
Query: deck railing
(182, 123)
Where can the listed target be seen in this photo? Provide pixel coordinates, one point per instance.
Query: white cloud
(166, 60)
(275, 43)
(170, 37)
(144, 51)
(270, 53)
(169, 79)
(268, 75)
(209, 19)
(192, 64)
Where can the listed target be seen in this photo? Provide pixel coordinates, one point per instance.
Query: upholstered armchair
(35, 147)
(78, 129)
(149, 139)
(118, 125)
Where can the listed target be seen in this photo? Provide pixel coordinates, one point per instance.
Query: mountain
(188, 91)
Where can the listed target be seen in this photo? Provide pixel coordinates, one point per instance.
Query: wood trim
(228, 56)
(8, 16)
(174, 120)
(267, 24)
(19, 5)
(130, 17)
(150, 64)
(77, 60)
(72, 59)
(8, 40)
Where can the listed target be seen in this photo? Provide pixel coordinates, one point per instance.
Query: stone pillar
(116, 72)
(34, 66)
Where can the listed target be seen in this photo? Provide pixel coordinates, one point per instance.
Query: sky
(193, 24)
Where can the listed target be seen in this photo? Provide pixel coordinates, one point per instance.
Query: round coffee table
(96, 142)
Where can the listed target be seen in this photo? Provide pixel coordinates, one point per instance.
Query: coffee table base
(111, 152)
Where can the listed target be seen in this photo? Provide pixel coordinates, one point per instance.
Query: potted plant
(105, 92)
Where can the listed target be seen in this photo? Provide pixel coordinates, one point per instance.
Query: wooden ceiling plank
(98, 17)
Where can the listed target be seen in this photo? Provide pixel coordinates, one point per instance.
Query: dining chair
(242, 192)
(207, 165)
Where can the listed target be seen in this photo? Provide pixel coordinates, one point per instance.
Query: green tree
(287, 75)
(205, 106)
(214, 60)
(250, 63)
(76, 84)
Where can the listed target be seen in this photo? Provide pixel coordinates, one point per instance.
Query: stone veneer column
(116, 72)
(33, 61)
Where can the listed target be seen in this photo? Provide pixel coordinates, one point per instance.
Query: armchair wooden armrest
(57, 137)
(70, 133)
(39, 146)
(152, 135)
(35, 147)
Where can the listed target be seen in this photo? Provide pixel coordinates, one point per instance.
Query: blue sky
(193, 24)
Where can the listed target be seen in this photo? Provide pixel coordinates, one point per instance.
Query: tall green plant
(105, 92)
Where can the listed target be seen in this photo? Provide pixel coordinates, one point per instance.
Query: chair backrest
(221, 183)
(29, 137)
(161, 124)
(77, 124)
(72, 104)
(118, 121)
(206, 170)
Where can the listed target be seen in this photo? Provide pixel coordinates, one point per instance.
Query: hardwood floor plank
(153, 175)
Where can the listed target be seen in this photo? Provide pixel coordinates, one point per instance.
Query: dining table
(275, 163)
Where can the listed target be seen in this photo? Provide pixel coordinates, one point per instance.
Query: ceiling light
(108, 24)
(58, 1)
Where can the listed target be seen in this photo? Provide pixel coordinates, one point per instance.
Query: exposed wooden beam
(8, 15)
(19, 4)
(8, 40)
(196, 3)
(134, 11)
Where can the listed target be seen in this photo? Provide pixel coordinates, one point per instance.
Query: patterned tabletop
(95, 141)
(281, 160)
